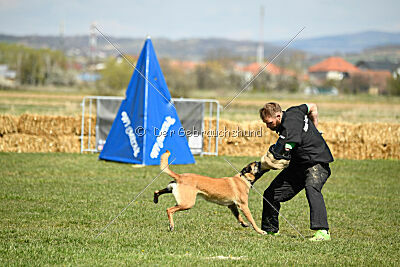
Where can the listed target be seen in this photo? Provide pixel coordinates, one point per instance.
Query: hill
(346, 43)
(193, 49)
(200, 48)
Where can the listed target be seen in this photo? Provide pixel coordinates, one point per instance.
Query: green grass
(53, 206)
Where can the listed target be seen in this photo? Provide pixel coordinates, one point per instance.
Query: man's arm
(313, 113)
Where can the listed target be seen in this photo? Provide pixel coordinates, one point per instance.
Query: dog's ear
(246, 169)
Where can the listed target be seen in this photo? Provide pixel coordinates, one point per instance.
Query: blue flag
(147, 124)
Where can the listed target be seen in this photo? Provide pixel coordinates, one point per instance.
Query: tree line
(34, 66)
(217, 71)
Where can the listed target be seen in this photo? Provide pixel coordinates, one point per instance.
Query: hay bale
(46, 125)
(69, 144)
(8, 124)
(350, 141)
(78, 125)
(38, 133)
(54, 125)
(362, 141)
(30, 143)
(240, 139)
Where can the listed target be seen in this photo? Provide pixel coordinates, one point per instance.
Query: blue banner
(147, 124)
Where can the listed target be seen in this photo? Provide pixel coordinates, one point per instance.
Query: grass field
(53, 206)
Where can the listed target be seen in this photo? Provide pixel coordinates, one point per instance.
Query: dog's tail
(165, 167)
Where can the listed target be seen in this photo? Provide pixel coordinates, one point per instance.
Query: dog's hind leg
(185, 197)
(158, 193)
(236, 213)
(171, 211)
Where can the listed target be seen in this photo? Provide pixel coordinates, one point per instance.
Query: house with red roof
(336, 68)
(248, 71)
(332, 68)
(184, 65)
(276, 74)
(273, 69)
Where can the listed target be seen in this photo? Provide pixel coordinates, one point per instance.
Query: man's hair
(269, 110)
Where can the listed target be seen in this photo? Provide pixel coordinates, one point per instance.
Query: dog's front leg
(236, 213)
(246, 211)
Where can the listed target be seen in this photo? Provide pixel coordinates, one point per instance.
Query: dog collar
(241, 175)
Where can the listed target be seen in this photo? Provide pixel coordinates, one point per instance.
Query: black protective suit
(308, 168)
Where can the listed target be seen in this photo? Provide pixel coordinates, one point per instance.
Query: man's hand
(313, 113)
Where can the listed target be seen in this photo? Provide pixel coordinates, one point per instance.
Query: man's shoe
(321, 235)
(273, 233)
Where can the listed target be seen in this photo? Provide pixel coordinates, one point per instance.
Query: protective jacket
(310, 147)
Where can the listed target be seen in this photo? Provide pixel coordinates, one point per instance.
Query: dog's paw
(244, 225)
(155, 199)
(171, 228)
(262, 232)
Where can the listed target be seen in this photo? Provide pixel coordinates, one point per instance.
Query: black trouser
(287, 184)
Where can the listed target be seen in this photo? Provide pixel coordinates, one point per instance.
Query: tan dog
(228, 191)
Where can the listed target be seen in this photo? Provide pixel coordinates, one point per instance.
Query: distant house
(7, 76)
(336, 68)
(273, 69)
(314, 90)
(127, 58)
(376, 65)
(376, 79)
(88, 77)
(6, 73)
(333, 68)
(74, 66)
(184, 65)
(248, 71)
(393, 68)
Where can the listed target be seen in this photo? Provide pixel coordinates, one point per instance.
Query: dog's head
(252, 172)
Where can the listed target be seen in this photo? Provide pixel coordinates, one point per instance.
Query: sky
(178, 19)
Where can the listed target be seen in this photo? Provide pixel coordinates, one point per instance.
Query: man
(304, 156)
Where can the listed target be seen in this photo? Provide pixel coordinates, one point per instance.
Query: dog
(232, 192)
